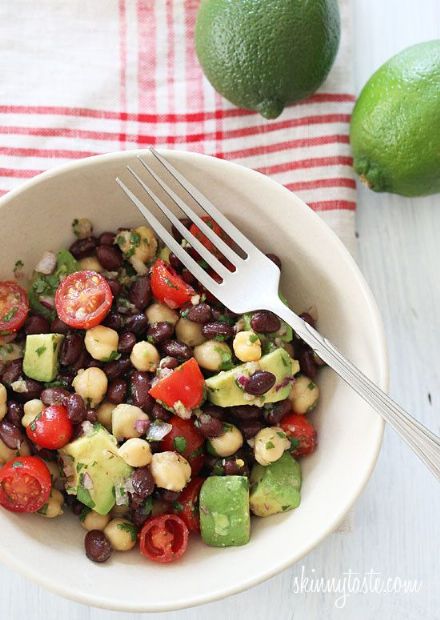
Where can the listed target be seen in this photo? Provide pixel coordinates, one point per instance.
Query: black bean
(215, 411)
(109, 256)
(201, 313)
(308, 318)
(217, 330)
(234, 468)
(276, 412)
(91, 416)
(127, 340)
(83, 361)
(71, 349)
(224, 315)
(36, 324)
(246, 412)
(275, 259)
(140, 512)
(116, 391)
(55, 396)
(32, 389)
(12, 371)
(59, 327)
(115, 369)
(209, 426)
(140, 293)
(160, 332)
(175, 262)
(106, 238)
(83, 247)
(66, 376)
(115, 287)
(168, 496)
(140, 383)
(137, 324)
(43, 453)
(265, 322)
(307, 363)
(176, 234)
(14, 413)
(187, 276)
(260, 382)
(92, 363)
(76, 408)
(250, 428)
(143, 482)
(169, 362)
(160, 413)
(75, 506)
(11, 435)
(97, 546)
(176, 349)
(114, 320)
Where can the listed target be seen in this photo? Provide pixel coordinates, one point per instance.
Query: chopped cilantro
(17, 465)
(79, 467)
(43, 509)
(177, 507)
(269, 445)
(18, 266)
(281, 434)
(170, 284)
(179, 444)
(83, 514)
(9, 315)
(130, 528)
(253, 338)
(40, 350)
(114, 355)
(284, 508)
(294, 443)
(311, 385)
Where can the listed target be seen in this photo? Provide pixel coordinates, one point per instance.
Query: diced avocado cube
(41, 356)
(224, 389)
(94, 469)
(224, 511)
(275, 488)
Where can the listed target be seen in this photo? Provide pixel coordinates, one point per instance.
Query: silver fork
(236, 293)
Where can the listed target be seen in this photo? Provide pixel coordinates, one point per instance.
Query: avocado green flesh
(395, 128)
(95, 469)
(264, 54)
(276, 487)
(41, 356)
(224, 391)
(224, 511)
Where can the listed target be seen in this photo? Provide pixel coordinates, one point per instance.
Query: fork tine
(202, 276)
(212, 261)
(224, 248)
(207, 206)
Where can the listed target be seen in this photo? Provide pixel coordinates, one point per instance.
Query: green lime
(265, 54)
(395, 129)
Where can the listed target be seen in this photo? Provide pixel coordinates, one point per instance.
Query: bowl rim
(383, 381)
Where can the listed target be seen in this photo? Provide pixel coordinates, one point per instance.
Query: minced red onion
(158, 430)
(87, 428)
(242, 380)
(284, 383)
(47, 264)
(47, 301)
(87, 482)
(141, 426)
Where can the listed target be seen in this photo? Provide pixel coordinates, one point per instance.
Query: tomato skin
(51, 429)
(188, 500)
(204, 240)
(185, 384)
(83, 299)
(194, 441)
(168, 287)
(298, 427)
(14, 306)
(25, 484)
(164, 539)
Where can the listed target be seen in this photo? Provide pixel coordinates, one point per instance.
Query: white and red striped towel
(83, 78)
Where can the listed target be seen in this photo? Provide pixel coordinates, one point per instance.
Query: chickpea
(3, 399)
(247, 346)
(124, 420)
(139, 246)
(82, 228)
(90, 263)
(31, 409)
(270, 444)
(189, 332)
(136, 452)
(213, 355)
(160, 313)
(304, 395)
(122, 534)
(144, 356)
(94, 521)
(104, 413)
(228, 443)
(101, 342)
(54, 505)
(170, 470)
(91, 384)
(6, 454)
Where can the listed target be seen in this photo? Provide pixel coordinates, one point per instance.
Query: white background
(395, 527)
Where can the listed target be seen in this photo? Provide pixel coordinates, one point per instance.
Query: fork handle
(424, 443)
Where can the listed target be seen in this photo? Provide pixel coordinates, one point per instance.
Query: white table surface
(396, 521)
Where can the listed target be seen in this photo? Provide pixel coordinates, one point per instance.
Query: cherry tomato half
(51, 429)
(25, 484)
(164, 539)
(203, 239)
(168, 287)
(185, 384)
(14, 306)
(187, 440)
(187, 506)
(301, 433)
(83, 299)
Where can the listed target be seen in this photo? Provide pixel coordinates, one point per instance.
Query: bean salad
(132, 397)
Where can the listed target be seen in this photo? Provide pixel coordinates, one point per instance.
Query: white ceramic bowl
(318, 270)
